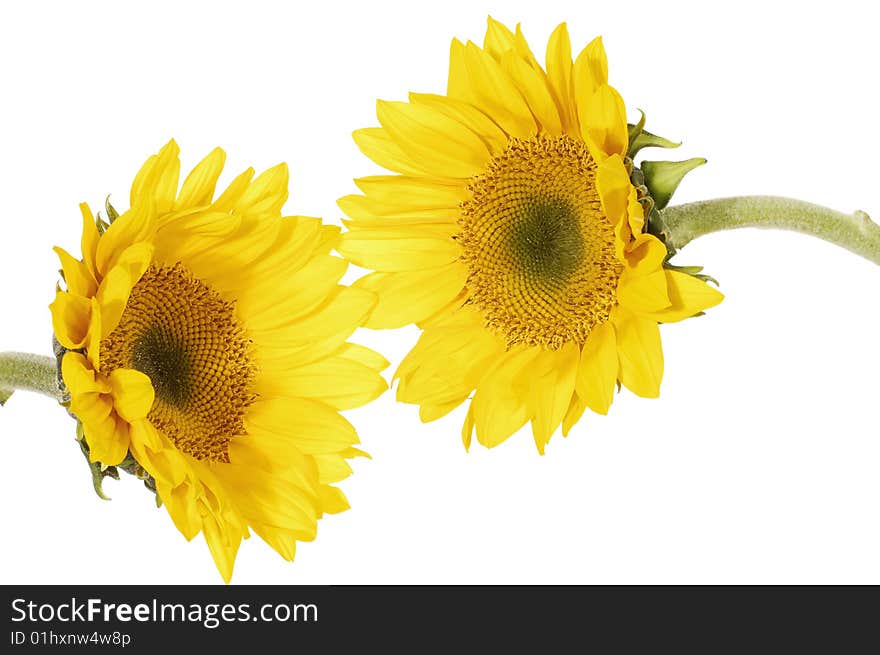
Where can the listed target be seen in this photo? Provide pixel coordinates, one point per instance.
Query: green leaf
(663, 177)
(5, 394)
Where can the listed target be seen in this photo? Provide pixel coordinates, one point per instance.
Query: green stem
(856, 232)
(28, 373)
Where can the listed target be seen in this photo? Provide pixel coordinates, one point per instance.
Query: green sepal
(640, 138)
(112, 214)
(131, 466)
(693, 271)
(654, 224)
(99, 472)
(635, 130)
(663, 177)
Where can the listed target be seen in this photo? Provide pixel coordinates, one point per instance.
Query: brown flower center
(180, 333)
(540, 250)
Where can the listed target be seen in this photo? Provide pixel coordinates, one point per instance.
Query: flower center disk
(539, 249)
(181, 334)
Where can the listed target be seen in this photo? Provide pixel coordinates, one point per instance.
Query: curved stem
(856, 232)
(28, 373)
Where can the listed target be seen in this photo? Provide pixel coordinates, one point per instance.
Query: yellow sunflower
(514, 236)
(205, 339)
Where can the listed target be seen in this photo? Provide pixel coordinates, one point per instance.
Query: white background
(757, 465)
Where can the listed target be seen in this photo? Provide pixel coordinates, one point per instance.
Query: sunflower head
(203, 346)
(520, 236)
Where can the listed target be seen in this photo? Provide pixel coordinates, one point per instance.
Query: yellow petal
(468, 115)
(140, 180)
(132, 393)
(590, 72)
(77, 276)
(363, 355)
(687, 296)
(497, 418)
(411, 296)
(639, 352)
(440, 143)
(467, 429)
(136, 225)
(115, 288)
(90, 237)
(496, 95)
(333, 500)
(311, 426)
(613, 185)
(391, 251)
(106, 433)
(412, 192)
(635, 213)
(332, 467)
(156, 183)
(167, 176)
(533, 86)
(79, 376)
(499, 39)
(552, 390)
(70, 319)
(330, 324)
(282, 541)
(266, 194)
(560, 75)
(603, 124)
(645, 255)
(272, 460)
(573, 415)
(597, 373)
(223, 548)
(273, 300)
(198, 188)
(161, 459)
(524, 51)
(181, 506)
(108, 440)
(458, 84)
(377, 144)
(280, 498)
(643, 293)
(336, 381)
(448, 361)
(230, 196)
(499, 404)
(429, 412)
(93, 344)
(369, 212)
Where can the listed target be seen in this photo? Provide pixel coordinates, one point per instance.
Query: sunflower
(205, 339)
(513, 234)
